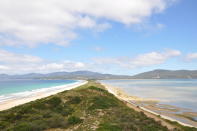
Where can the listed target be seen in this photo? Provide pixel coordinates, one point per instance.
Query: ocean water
(12, 89)
(177, 92)
(16, 86)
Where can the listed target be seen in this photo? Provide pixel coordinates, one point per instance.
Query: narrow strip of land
(157, 117)
(88, 107)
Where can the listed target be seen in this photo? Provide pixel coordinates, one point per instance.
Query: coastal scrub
(88, 107)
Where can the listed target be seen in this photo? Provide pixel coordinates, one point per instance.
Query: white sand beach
(6, 104)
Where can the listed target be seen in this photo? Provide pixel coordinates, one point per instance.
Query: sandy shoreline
(133, 100)
(18, 101)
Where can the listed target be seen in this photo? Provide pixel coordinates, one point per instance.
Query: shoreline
(129, 100)
(38, 94)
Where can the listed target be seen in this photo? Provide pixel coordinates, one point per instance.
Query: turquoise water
(177, 92)
(15, 86)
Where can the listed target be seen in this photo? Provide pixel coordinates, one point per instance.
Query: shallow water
(14, 89)
(195, 118)
(16, 86)
(177, 92)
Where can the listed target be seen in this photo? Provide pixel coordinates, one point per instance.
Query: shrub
(34, 117)
(39, 125)
(3, 124)
(39, 105)
(102, 102)
(26, 109)
(9, 116)
(58, 109)
(74, 100)
(108, 127)
(54, 101)
(47, 114)
(22, 127)
(67, 111)
(56, 121)
(150, 127)
(96, 88)
(12, 116)
(72, 120)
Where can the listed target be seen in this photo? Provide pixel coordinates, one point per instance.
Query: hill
(167, 74)
(89, 75)
(65, 75)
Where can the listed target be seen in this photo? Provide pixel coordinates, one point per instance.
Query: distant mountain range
(65, 75)
(155, 74)
(167, 74)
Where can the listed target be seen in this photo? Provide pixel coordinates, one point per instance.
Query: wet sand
(153, 109)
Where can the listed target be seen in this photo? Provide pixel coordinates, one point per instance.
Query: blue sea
(12, 89)
(176, 92)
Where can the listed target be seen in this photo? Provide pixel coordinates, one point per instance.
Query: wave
(49, 90)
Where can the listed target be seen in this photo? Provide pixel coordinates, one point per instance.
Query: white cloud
(51, 66)
(143, 60)
(32, 22)
(153, 58)
(191, 56)
(10, 58)
(19, 63)
(13, 63)
(79, 65)
(2, 67)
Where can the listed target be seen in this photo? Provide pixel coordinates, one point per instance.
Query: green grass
(89, 107)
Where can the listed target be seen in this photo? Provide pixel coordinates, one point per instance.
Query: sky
(107, 36)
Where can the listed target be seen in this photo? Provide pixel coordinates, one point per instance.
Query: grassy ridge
(89, 107)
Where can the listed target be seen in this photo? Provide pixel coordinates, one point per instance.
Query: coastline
(37, 94)
(91, 105)
(150, 113)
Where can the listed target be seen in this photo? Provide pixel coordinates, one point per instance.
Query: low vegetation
(89, 107)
